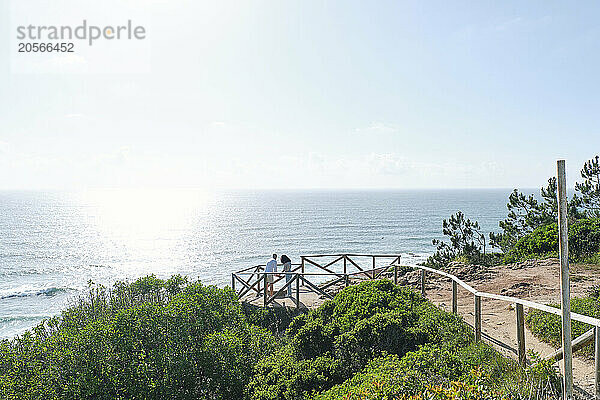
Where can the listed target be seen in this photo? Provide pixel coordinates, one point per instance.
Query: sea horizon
(55, 242)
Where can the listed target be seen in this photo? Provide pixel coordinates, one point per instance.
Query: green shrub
(442, 372)
(151, 339)
(156, 339)
(330, 344)
(548, 327)
(584, 239)
(584, 242)
(274, 319)
(541, 243)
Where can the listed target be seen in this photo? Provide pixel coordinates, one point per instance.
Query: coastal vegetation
(151, 339)
(530, 231)
(175, 339)
(530, 228)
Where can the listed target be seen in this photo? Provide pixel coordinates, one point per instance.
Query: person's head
(274, 256)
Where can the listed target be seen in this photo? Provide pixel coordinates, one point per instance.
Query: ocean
(54, 244)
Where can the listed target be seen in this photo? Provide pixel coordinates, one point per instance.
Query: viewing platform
(315, 279)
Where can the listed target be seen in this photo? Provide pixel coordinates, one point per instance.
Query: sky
(302, 94)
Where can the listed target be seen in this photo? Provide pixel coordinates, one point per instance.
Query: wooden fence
(254, 279)
(339, 267)
(591, 336)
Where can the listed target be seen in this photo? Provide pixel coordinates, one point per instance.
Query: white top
(271, 266)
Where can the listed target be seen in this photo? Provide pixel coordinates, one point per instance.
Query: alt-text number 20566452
(46, 47)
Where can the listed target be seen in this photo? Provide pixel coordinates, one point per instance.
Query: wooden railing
(588, 337)
(339, 267)
(254, 279)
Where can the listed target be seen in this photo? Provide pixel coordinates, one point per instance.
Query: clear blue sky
(296, 94)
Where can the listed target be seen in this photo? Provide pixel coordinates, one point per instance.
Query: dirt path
(538, 281)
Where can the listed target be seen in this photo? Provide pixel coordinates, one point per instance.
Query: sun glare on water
(146, 212)
(146, 224)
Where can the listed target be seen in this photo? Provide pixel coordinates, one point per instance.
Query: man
(271, 267)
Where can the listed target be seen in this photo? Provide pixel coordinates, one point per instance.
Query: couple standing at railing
(271, 269)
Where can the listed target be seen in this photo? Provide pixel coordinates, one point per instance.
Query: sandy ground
(537, 281)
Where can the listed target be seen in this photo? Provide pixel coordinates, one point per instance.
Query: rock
(469, 272)
(518, 289)
(533, 263)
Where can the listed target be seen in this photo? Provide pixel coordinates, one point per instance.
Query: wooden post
(233, 282)
(395, 274)
(521, 335)
(302, 268)
(265, 292)
(297, 291)
(346, 279)
(477, 318)
(423, 282)
(373, 277)
(345, 271)
(565, 290)
(259, 281)
(454, 297)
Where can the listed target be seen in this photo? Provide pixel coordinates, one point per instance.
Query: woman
(287, 267)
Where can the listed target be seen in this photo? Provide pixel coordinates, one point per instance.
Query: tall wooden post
(395, 274)
(302, 268)
(233, 282)
(521, 335)
(565, 290)
(477, 318)
(345, 268)
(454, 297)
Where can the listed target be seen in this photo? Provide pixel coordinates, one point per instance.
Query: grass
(548, 327)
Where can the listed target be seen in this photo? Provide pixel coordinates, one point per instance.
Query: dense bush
(274, 319)
(584, 242)
(584, 239)
(548, 327)
(155, 339)
(390, 376)
(541, 243)
(152, 339)
(366, 321)
(439, 371)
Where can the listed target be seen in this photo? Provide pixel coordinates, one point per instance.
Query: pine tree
(590, 188)
(466, 239)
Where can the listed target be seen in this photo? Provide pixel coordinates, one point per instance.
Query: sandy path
(539, 283)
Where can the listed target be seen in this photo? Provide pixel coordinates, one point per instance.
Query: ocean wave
(28, 291)
(19, 318)
(59, 269)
